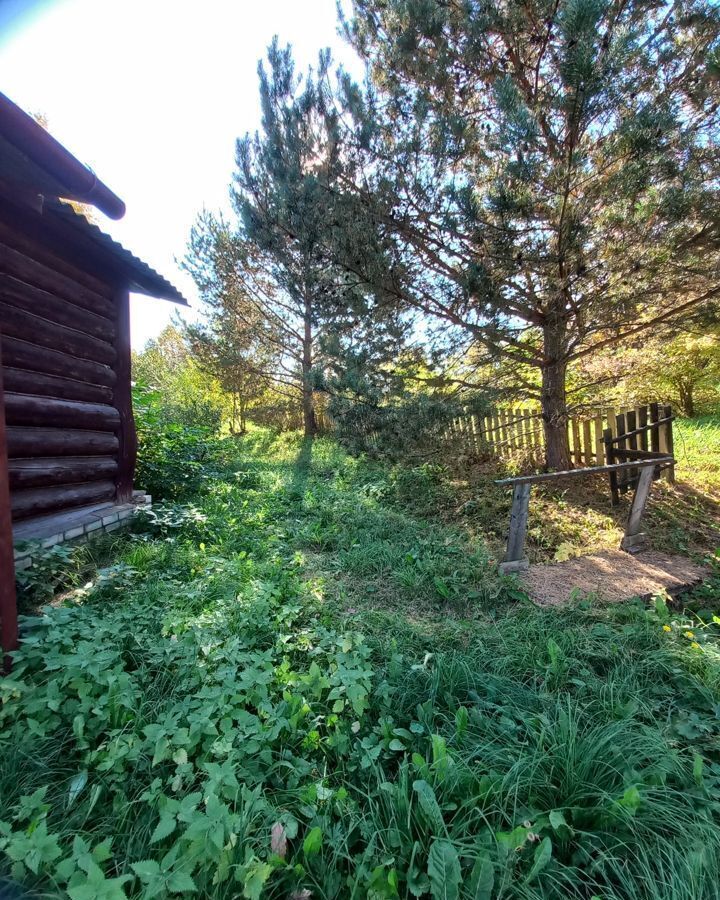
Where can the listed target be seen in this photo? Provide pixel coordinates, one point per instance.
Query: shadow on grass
(301, 469)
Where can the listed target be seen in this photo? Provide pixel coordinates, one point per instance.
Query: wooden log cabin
(67, 437)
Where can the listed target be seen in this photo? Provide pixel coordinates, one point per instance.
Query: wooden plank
(576, 447)
(639, 454)
(641, 413)
(654, 431)
(54, 309)
(26, 355)
(591, 470)
(8, 600)
(26, 473)
(599, 445)
(127, 453)
(477, 439)
(588, 443)
(27, 327)
(49, 242)
(29, 268)
(21, 381)
(515, 554)
(512, 433)
(495, 434)
(529, 427)
(35, 501)
(621, 445)
(503, 427)
(610, 462)
(520, 429)
(632, 440)
(27, 409)
(667, 430)
(40, 442)
(633, 533)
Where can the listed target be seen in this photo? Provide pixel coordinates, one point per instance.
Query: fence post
(621, 445)
(632, 443)
(642, 422)
(599, 447)
(633, 535)
(666, 441)
(610, 459)
(515, 559)
(587, 441)
(654, 430)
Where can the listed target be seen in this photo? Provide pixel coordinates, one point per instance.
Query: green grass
(311, 682)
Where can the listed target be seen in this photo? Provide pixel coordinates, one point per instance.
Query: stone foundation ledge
(77, 525)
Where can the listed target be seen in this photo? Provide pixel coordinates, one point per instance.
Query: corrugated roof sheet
(142, 278)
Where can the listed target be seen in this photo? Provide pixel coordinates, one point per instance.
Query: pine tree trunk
(309, 420)
(555, 417)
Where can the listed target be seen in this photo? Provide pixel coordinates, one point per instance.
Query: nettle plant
(189, 723)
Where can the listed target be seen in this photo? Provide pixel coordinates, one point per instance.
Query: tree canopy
(543, 173)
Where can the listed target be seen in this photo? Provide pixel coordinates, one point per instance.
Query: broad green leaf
(313, 841)
(482, 879)
(631, 799)
(256, 875)
(429, 805)
(698, 769)
(543, 853)
(76, 786)
(180, 882)
(164, 827)
(557, 819)
(444, 871)
(146, 868)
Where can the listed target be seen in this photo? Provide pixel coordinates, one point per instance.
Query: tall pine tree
(543, 173)
(278, 306)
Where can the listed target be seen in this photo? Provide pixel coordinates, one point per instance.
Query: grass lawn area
(310, 682)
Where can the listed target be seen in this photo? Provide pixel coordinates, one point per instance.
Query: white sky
(152, 94)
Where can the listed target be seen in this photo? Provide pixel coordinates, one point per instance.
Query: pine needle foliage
(543, 175)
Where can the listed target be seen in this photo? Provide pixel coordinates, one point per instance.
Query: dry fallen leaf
(278, 841)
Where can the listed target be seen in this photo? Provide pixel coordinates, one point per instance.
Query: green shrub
(174, 459)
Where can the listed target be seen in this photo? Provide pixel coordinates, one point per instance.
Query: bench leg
(515, 559)
(633, 535)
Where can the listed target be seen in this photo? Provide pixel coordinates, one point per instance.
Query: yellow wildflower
(667, 628)
(690, 634)
(695, 645)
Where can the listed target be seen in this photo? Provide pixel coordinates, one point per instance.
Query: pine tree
(543, 173)
(278, 307)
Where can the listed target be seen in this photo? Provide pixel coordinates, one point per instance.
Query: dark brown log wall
(67, 421)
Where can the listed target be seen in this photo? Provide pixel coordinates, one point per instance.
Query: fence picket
(620, 430)
(588, 442)
(599, 446)
(667, 438)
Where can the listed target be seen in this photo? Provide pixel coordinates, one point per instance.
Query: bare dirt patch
(612, 576)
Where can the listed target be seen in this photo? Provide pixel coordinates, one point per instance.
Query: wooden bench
(515, 559)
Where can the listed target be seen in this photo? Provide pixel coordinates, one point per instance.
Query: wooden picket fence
(597, 437)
